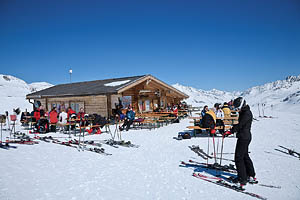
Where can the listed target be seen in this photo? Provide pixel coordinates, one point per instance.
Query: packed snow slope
(13, 93)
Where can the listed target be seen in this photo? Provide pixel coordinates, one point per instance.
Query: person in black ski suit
(243, 162)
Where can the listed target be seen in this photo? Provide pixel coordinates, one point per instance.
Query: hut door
(147, 105)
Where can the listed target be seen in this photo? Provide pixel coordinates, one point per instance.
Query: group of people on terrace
(42, 116)
(215, 116)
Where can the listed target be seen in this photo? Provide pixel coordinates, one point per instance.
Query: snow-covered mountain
(270, 94)
(198, 97)
(13, 92)
(281, 91)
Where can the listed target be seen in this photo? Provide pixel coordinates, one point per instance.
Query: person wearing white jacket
(220, 116)
(63, 119)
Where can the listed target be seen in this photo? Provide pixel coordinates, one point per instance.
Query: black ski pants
(127, 123)
(243, 162)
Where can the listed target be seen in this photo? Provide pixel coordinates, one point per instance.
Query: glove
(227, 133)
(212, 131)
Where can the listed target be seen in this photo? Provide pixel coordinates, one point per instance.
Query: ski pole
(217, 146)
(222, 148)
(214, 148)
(1, 133)
(80, 132)
(7, 120)
(207, 147)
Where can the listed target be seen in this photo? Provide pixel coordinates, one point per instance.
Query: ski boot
(252, 180)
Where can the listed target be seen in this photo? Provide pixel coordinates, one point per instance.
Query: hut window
(126, 101)
(76, 106)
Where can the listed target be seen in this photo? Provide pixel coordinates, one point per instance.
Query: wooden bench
(217, 128)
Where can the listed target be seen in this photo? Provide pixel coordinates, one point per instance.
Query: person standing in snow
(243, 162)
(63, 119)
(53, 119)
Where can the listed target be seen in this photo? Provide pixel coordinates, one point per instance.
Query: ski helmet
(239, 102)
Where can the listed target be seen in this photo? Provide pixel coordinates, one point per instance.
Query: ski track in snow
(152, 171)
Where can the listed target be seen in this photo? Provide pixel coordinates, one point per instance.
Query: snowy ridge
(270, 94)
(276, 92)
(198, 97)
(13, 93)
(39, 86)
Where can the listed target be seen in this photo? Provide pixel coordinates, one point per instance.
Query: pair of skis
(116, 144)
(223, 183)
(288, 151)
(74, 144)
(224, 168)
(7, 146)
(22, 141)
(216, 166)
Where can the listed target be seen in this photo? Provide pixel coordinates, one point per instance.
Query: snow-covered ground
(152, 171)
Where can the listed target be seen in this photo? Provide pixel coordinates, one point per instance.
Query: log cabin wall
(91, 104)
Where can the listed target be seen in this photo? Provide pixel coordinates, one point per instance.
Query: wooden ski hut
(144, 93)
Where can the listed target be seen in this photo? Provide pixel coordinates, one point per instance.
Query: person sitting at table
(220, 118)
(46, 113)
(175, 114)
(63, 119)
(42, 125)
(226, 110)
(80, 114)
(119, 115)
(209, 121)
(70, 112)
(175, 110)
(25, 118)
(205, 109)
(36, 114)
(169, 107)
(42, 111)
(130, 115)
(53, 119)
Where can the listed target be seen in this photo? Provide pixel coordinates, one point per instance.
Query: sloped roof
(107, 86)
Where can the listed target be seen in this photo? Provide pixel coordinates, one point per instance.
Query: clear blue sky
(227, 45)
